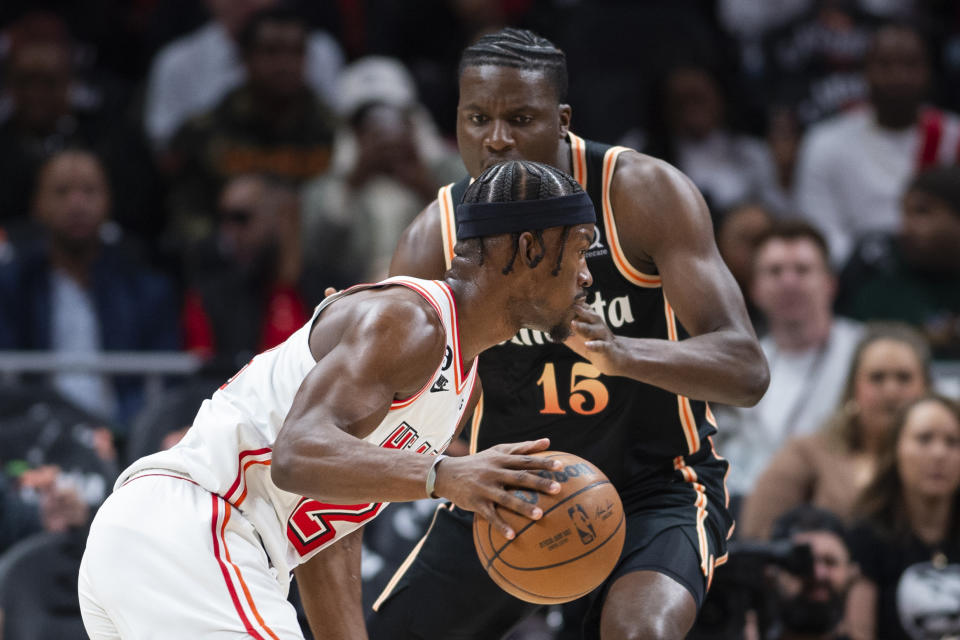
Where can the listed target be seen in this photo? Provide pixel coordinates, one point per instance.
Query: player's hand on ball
(487, 479)
(592, 339)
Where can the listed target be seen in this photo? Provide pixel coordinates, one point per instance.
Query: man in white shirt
(807, 348)
(191, 74)
(852, 168)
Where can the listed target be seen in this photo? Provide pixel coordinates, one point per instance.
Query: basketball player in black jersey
(664, 332)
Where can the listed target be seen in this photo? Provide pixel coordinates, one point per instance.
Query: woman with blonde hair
(908, 540)
(890, 368)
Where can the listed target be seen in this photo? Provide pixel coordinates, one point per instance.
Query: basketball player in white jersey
(312, 438)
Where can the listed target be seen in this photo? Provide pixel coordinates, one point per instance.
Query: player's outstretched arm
(662, 218)
(389, 350)
(330, 588)
(419, 252)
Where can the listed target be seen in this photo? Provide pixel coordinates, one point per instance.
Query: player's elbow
(754, 375)
(284, 467)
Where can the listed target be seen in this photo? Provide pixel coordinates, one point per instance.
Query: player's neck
(482, 315)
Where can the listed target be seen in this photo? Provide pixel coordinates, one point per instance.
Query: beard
(804, 616)
(559, 332)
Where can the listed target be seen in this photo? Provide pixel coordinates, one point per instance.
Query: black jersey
(534, 388)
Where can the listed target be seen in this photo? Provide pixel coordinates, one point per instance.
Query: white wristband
(432, 476)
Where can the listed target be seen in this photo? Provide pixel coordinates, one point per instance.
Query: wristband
(432, 476)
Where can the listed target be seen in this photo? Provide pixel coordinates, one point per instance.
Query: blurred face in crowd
(898, 74)
(930, 232)
(276, 58)
(385, 139)
(888, 377)
(72, 199)
(232, 14)
(694, 107)
(737, 240)
(508, 114)
(246, 227)
(39, 80)
(928, 451)
(815, 603)
(792, 284)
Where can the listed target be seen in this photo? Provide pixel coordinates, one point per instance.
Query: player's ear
(566, 113)
(529, 249)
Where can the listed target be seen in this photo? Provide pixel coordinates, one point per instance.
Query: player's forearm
(342, 469)
(723, 366)
(331, 591)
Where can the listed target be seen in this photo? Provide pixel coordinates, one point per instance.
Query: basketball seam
(497, 552)
(569, 560)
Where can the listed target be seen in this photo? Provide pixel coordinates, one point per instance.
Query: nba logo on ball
(569, 551)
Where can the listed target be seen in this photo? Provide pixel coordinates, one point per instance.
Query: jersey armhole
(632, 274)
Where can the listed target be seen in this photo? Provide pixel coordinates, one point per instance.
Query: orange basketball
(570, 550)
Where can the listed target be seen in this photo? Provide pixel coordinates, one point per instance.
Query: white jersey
(228, 449)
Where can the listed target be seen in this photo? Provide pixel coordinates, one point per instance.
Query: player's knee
(651, 627)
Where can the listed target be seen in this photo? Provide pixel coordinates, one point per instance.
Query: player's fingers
(588, 329)
(527, 480)
(490, 515)
(512, 500)
(329, 291)
(529, 446)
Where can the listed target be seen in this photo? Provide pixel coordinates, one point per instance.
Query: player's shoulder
(397, 319)
(650, 180)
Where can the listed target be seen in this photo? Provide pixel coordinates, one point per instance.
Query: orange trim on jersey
(475, 424)
(578, 159)
(628, 271)
(236, 570)
(406, 402)
(462, 376)
(690, 475)
(708, 414)
(448, 222)
(243, 495)
(726, 492)
(226, 573)
(684, 409)
(241, 468)
(406, 563)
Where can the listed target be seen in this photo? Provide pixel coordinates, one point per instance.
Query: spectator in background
(728, 168)
(75, 292)
(272, 124)
(890, 368)
(807, 348)
(811, 607)
(52, 108)
(191, 75)
(388, 164)
(853, 168)
(739, 231)
(908, 543)
(914, 275)
(248, 290)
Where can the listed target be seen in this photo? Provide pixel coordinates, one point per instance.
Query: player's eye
(521, 120)
(477, 118)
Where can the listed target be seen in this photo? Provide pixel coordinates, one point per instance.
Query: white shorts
(168, 559)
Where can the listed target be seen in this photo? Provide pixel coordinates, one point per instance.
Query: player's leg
(676, 535)
(442, 591)
(656, 602)
(167, 559)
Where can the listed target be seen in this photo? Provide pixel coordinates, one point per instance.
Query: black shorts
(442, 592)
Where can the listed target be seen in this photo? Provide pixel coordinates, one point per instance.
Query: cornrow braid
(519, 49)
(522, 180)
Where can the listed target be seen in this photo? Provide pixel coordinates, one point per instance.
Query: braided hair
(514, 181)
(519, 49)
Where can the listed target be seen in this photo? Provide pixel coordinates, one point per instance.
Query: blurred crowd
(190, 176)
